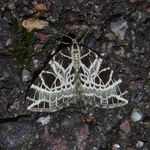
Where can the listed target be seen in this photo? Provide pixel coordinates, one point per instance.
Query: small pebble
(125, 125)
(119, 28)
(43, 120)
(36, 63)
(95, 148)
(110, 36)
(136, 115)
(115, 147)
(26, 76)
(139, 144)
(41, 36)
(8, 42)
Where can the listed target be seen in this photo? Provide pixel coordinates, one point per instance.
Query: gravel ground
(119, 30)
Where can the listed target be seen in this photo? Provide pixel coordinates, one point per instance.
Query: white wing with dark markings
(75, 72)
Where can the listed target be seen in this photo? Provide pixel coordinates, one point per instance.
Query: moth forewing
(98, 82)
(75, 72)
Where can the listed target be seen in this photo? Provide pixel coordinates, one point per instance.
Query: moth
(75, 73)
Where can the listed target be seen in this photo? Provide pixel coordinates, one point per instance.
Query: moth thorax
(76, 57)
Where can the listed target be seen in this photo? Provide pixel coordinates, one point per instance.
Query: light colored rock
(8, 42)
(125, 125)
(116, 147)
(139, 144)
(26, 76)
(43, 120)
(36, 63)
(119, 28)
(136, 115)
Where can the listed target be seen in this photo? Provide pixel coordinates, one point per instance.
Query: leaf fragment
(34, 23)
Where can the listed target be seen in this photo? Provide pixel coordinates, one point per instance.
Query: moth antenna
(65, 43)
(68, 37)
(61, 42)
(85, 34)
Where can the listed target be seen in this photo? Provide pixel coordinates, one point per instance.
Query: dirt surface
(119, 30)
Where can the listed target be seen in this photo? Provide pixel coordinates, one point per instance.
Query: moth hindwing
(75, 73)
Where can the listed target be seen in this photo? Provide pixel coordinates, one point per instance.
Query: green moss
(46, 48)
(15, 26)
(24, 49)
